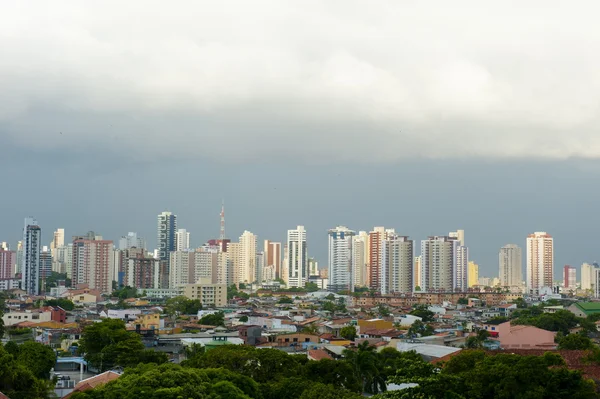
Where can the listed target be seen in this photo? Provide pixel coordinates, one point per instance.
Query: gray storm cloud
(338, 80)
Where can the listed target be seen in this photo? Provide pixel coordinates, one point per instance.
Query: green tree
(243, 319)
(213, 319)
(328, 306)
(285, 299)
(463, 301)
(310, 329)
(423, 312)
(170, 381)
(108, 344)
(312, 287)
(38, 358)
(125, 293)
(348, 332)
(383, 310)
(575, 342)
(2, 305)
(323, 391)
(336, 373)
(183, 305)
(19, 382)
(54, 277)
(62, 302)
(418, 328)
(367, 368)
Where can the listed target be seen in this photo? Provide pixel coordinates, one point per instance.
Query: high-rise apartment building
(376, 239)
(588, 276)
(438, 263)
(360, 258)
(313, 267)
(340, 259)
(93, 262)
(417, 273)
(569, 277)
(297, 257)
(246, 268)
(461, 273)
(272, 253)
(396, 276)
(540, 261)
(131, 240)
(182, 240)
(473, 273)
(7, 264)
(459, 235)
(181, 269)
(45, 262)
(510, 264)
(58, 240)
(30, 268)
(167, 226)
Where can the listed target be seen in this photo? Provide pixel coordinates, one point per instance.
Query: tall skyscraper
(45, 262)
(473, 273)
(167, 226)
(131, 240)
(459, 235)
(398, 253)
(360, 258)
(19, 257)
(7, 262)
(93, 262)
(540, 261)
(570, 277)
(376, 238)
(340, 259)
(510, 264)
(182, 240)
(417, 272)
(246, 269)
(30, 268)
(58, 240)
(438, 263)
(272, 253)
(587, 276)
(461, 273)
(297, 257)
(313, 267)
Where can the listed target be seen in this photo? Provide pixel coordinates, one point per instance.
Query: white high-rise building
(32, 246)
(540, 261)
(182, 240)
(360, 258)
(313, 267)
(461, 274)
(398, 253)
(296, 257)
(131, 240)
(438, 263)
(181, 269)
(588, 276)
(417, 272)
(58, 240)
(246, 267)
(340, 259)
(459, 235)
(510, 266)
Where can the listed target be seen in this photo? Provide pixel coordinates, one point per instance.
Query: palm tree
(367, 365)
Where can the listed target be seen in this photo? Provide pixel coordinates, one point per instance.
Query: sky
(423, 116)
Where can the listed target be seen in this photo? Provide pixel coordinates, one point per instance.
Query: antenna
(222, 236)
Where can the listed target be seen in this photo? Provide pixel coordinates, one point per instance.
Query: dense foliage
(423, 312)
(473, 374)
(24, 370)
(108, 344)
(348, 332)
(62, 302)
(182, 305)
(213, 319)
(125, 293)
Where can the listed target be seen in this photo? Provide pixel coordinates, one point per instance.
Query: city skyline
(458, 235)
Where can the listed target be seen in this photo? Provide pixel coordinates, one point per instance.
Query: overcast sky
(426, 116)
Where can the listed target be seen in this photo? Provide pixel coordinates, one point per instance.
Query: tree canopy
(62, 302)
(348, 332)
(108, 344)
(213, 319)
(20, 376)
(182, 305)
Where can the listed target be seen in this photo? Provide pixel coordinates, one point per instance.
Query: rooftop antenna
(222, 236)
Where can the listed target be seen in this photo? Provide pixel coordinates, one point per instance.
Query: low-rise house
(374, 324)
(584, 309)
(296, 339)
(35, 316)
(521, 337)
(93, 382)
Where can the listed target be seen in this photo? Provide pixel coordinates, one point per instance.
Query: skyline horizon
(557, 267)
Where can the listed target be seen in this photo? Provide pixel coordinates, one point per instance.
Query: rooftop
(588, 307)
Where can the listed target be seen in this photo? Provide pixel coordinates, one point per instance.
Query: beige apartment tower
(540, 261)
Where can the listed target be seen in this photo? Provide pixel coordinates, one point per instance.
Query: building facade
(398, 253)
(340, 259)
(208, 293)
(297, 257)
(540, 261)
(473, 274)
(32, 246)
(93, 262)
(374, 267)
(510, 266)
(182, 240)
(588, 276)
(8, 260)
(570, 277)
(438, 263)
(272, 251)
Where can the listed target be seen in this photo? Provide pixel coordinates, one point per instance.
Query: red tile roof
(318, 354)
